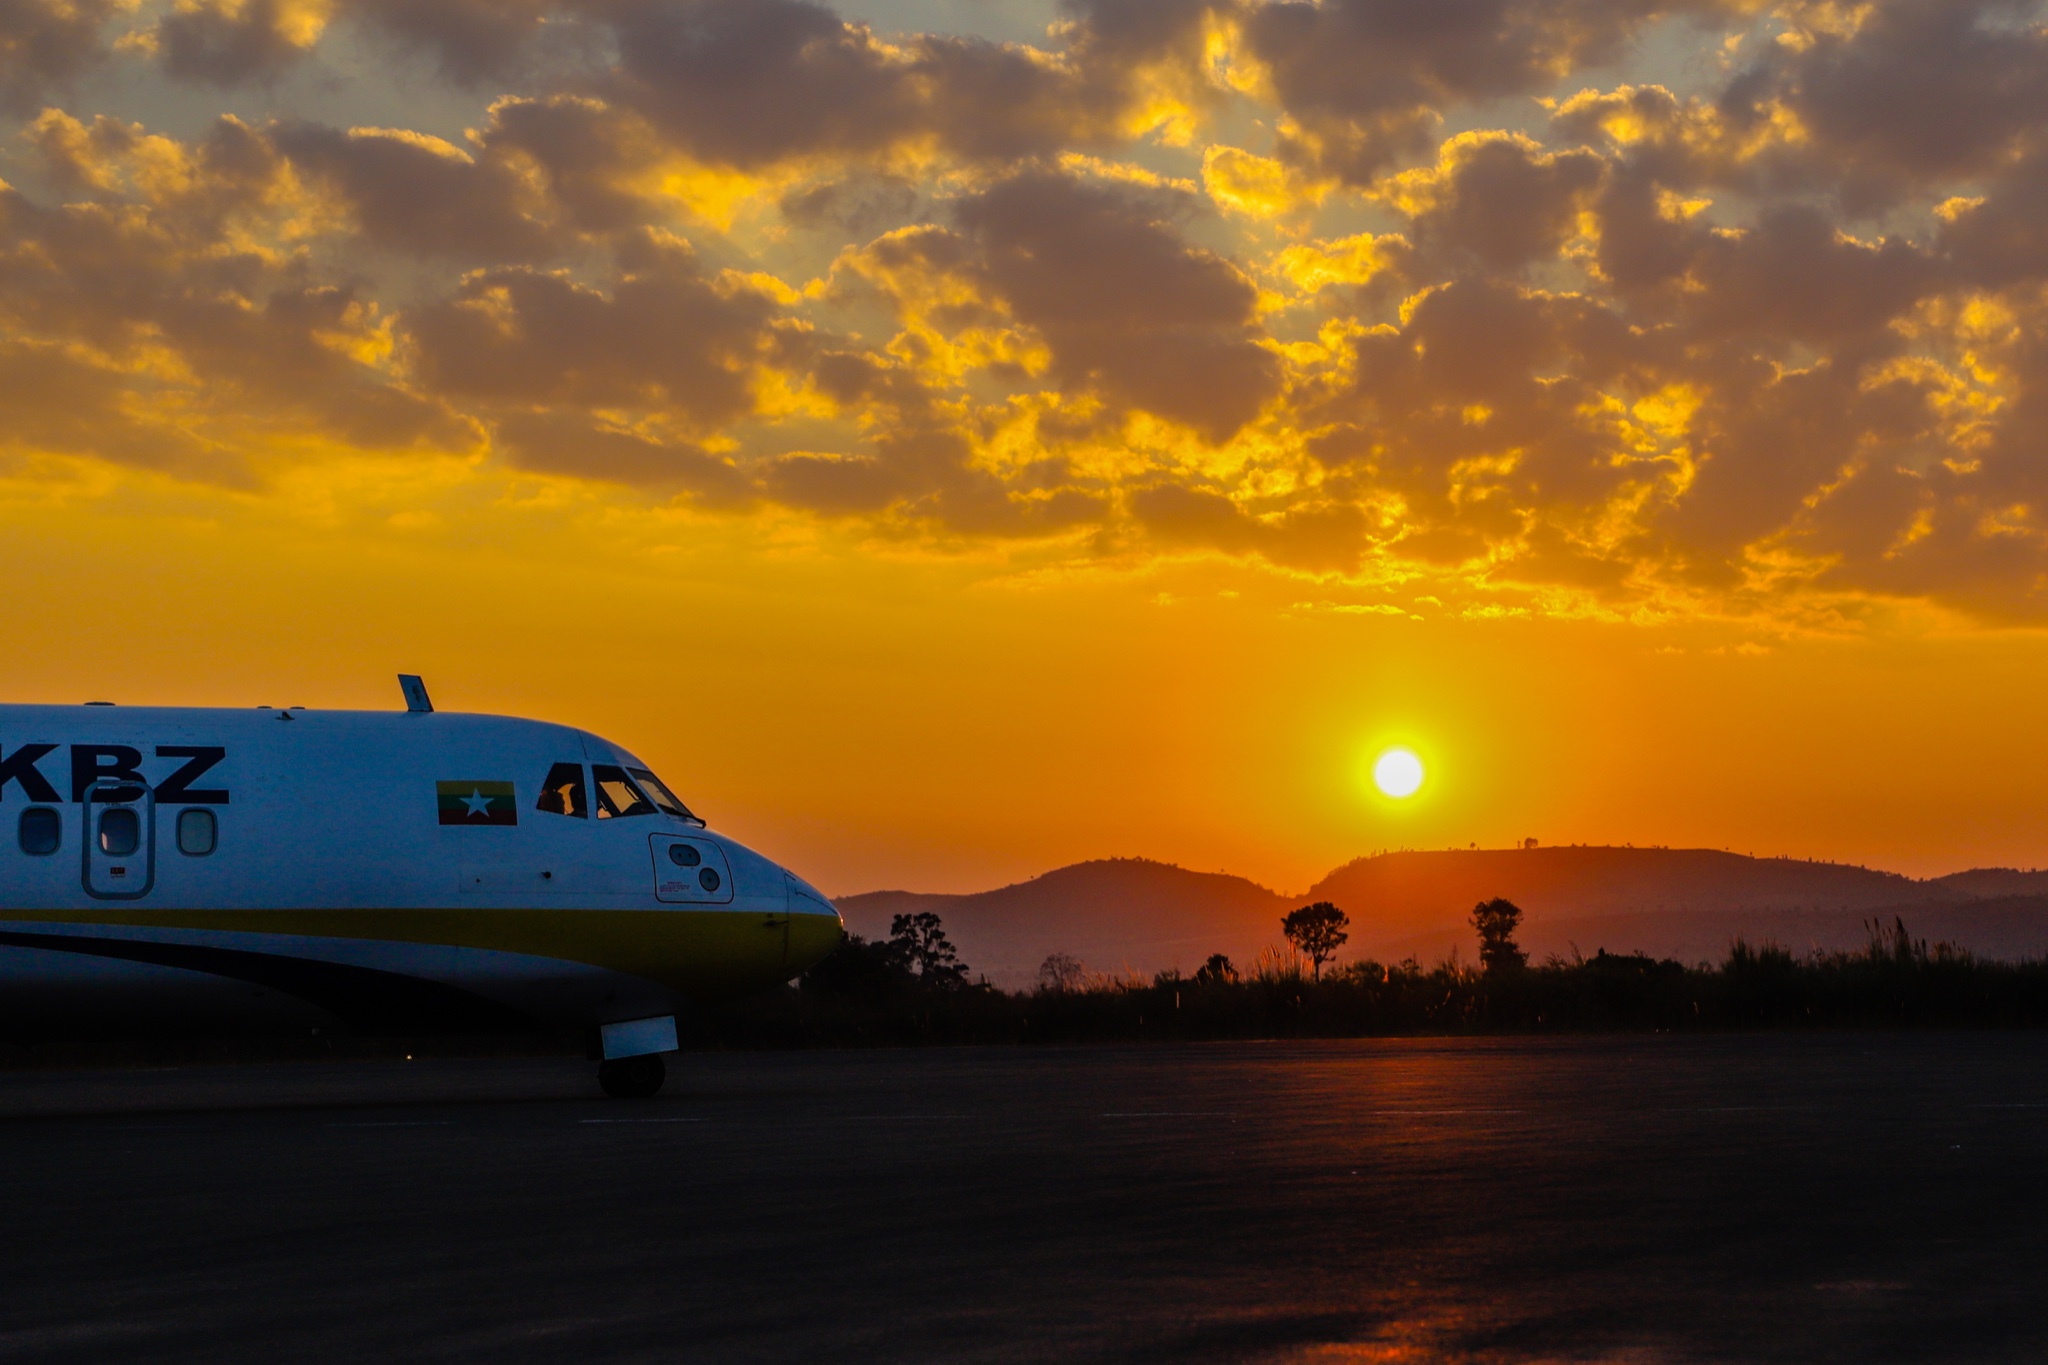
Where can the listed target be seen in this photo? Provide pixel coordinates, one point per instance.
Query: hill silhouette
(1114, 913)
(1133, 914)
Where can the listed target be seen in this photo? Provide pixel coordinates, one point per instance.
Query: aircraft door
(690, 871)
(120, 839)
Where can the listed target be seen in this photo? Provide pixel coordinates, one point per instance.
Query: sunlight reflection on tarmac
(1831, 1198)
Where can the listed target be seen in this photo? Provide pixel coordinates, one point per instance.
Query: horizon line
(1530, 847)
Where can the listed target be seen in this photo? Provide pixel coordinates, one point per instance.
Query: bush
(867, 993)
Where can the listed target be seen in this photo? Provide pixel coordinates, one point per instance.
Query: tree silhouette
(858, 968)
(1318, 930)
(919, 942)
(1217, 971)
(1496, 921)
(1061, 973)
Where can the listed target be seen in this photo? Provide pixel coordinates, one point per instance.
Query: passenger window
(42, 829)
(616, 794)
(120, 832)
(197, 832)
(663, 797)
(562, 793)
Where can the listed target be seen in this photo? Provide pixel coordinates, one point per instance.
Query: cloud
(926, 478)
(1497, 200)
(664, 337)
(1261, 186)
(1126, 303)
(1361, 259)
(1898, 95)
(1793, 277)
(537, 179)
(748, 82)
(1488, 406)
(1137, 33)
(1685, 144)
(587, 155)
(194, 189)
(45, 44)
(1328, 538)
(153, 277)
(742, 84)
(754, 82)
(56, 401)
(228, 42)
(1091, 283)
(420, 195)
(579, 445)
(471, 41)
(1364, 82)
(1186, 276)
(857, 204)
(2000, 237)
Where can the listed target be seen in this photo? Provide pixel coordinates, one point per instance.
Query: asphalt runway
(1851, 1198)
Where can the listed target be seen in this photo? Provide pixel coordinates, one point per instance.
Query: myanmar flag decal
(477, 803)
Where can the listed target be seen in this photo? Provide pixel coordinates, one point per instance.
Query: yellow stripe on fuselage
(706, 954)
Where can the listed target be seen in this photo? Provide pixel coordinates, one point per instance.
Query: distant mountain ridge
(1988, 883)
(1134, 914)
(1110, 913)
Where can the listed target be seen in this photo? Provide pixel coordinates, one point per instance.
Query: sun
(1398, 773)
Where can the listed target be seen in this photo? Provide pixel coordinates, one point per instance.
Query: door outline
(673, 889)
(144, 856)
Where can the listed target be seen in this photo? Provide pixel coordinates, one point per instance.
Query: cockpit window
(663, 797)
(563, 792)
(617, 796)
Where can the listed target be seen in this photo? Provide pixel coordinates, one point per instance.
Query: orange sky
(951, 440)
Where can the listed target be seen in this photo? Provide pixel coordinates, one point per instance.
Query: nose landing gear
(632, 1078)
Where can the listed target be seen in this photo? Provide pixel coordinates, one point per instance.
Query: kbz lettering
(95, 766)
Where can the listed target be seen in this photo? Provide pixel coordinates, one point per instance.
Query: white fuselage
(397, 869)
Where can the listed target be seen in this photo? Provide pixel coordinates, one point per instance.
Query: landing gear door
(120, 840)
(690, 871)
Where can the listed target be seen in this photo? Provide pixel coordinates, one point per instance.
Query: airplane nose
(815, 924)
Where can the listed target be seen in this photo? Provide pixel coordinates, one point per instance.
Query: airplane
(403, 871)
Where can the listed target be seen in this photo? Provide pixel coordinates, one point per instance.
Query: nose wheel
(631, 1078)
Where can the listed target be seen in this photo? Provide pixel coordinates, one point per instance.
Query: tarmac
(1841, 1197)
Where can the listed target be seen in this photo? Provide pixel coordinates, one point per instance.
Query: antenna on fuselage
(416, 699)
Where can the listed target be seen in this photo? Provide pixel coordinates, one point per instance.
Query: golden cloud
(1188, 278)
